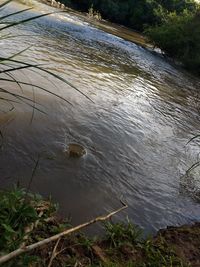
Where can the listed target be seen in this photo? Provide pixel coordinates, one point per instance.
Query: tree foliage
(179, 37)
(172, 25)
(136, 14)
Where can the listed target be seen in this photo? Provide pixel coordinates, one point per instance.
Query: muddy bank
(174, 246)
(184, 240)
(122, 244)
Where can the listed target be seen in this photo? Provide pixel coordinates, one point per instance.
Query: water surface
(143, 112)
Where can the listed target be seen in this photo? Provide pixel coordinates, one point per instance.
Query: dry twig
(31, 247)
(54, 254)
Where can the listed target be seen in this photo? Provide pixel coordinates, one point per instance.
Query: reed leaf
(15, 13)
(193, 138)
(9, 65)
(5, 3)
(29, 19)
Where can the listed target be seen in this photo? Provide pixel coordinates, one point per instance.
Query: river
(142, 112)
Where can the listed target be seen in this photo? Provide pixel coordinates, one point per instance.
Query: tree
(179, 37)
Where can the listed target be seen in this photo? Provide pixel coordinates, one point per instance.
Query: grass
(196, 164)
(119, 233)
(157, 257)
(27, 218)
(124, 238)
(18, 211)
(24, 217)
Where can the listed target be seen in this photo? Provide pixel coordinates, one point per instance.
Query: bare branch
(54, 254)
(31, 247)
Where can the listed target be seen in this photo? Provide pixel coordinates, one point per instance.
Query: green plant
(134, 13)
(85, 242)
(159, 256)
(179, 37)
(12, 220)
(196, 164)
(60, 227)
(17, 212)
(119, 233)
(20, 213)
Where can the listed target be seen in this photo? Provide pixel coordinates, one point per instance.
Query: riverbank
(27, 220)
(157, 34)
(121, 31)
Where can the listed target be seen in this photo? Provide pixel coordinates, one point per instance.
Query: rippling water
(135, 129)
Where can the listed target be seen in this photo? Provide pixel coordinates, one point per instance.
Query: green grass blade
(13, 80)
(29, 19)
(7, 72)
(19, 97)
(14, 55)
(15, 13)
(39, 87)
(193, 138)
(46, 71)
(17, 68)
(9, 100)
(65, 81)
(5, 3)
(12, 65)
(196, 164)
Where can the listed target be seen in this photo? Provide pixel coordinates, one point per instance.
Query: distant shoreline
(122, 31)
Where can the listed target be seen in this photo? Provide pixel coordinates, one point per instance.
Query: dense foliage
(179, 37)
(26, 219)
(18, 210)
(134, 13)
(172, 25)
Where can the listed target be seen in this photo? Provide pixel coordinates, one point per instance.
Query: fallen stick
(43, 242)
(53, 253)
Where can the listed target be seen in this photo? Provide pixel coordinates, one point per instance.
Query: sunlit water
(135, 129)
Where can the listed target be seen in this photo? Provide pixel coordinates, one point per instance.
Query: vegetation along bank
(172, 25)
(32, 234)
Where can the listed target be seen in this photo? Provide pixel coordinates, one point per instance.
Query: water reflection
(143, 112)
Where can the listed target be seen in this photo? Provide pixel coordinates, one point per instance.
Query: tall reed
(10, 65)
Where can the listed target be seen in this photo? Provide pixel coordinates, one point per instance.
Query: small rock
(76, 150)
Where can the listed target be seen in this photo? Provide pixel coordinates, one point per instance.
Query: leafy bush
(134, 13)
(179, 37)
(17, 211)
(120, 233)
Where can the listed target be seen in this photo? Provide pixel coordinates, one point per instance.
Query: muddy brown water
(135, 129)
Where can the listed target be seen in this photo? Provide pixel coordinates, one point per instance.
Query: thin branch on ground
(31, 247)
(54, 253)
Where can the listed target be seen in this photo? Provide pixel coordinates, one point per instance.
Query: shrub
(179, 37)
